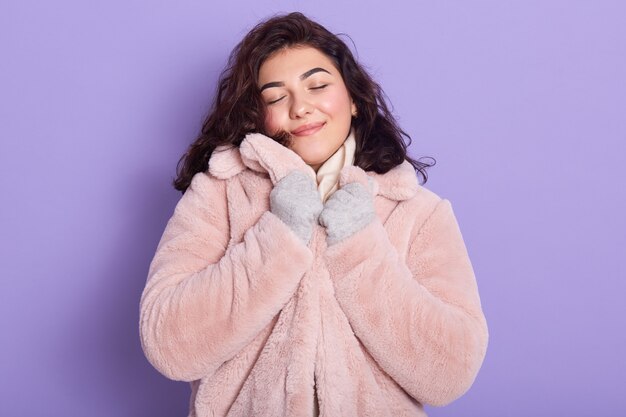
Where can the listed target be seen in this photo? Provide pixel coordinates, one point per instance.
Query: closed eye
(312, 88)
(275, 101)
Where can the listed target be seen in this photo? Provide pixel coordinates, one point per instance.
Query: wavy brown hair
(238, 107)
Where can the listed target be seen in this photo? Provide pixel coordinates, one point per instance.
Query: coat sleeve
(420, 319)
(203, 301)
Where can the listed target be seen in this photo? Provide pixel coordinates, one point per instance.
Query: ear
(353, 108)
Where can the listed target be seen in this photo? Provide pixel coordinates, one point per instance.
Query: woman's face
(305, 95)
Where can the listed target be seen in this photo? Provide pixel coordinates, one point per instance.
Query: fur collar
(263, 154)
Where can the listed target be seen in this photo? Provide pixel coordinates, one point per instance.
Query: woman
(304, 270)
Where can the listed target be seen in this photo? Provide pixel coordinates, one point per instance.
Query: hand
(296, 201)
(347, 211)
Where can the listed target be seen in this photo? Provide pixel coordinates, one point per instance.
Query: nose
(300, 107)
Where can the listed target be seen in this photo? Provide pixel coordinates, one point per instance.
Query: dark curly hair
(238, 107)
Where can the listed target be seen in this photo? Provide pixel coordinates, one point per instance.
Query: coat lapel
(263, 154)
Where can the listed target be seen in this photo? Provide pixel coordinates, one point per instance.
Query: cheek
(336, 104)
(272, 122)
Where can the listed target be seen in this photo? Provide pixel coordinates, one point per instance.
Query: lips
(308, 129)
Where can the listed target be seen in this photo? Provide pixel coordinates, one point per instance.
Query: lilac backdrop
(522, 103)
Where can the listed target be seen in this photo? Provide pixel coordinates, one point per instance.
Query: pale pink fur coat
(382, 322)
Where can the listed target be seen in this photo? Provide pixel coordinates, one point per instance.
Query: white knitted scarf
(328, 173)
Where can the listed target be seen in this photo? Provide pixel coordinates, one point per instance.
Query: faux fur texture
(382, 322)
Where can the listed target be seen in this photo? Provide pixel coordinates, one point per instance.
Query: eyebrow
(302, 77)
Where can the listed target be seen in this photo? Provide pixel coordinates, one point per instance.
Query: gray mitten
(296, 201)
(347, 211)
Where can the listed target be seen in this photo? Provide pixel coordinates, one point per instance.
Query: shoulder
(401, 184)
(425, 198)
(224, 164)
(419, 207)
(204, 198)
(214, 186)
(434, 215)
(205, 183)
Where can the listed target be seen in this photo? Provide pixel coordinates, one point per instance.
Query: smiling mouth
(309, 130)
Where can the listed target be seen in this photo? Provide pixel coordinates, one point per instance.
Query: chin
(316, 161)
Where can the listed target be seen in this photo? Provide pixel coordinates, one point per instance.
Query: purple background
(522, 103)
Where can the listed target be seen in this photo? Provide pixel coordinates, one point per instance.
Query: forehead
(292, 62)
